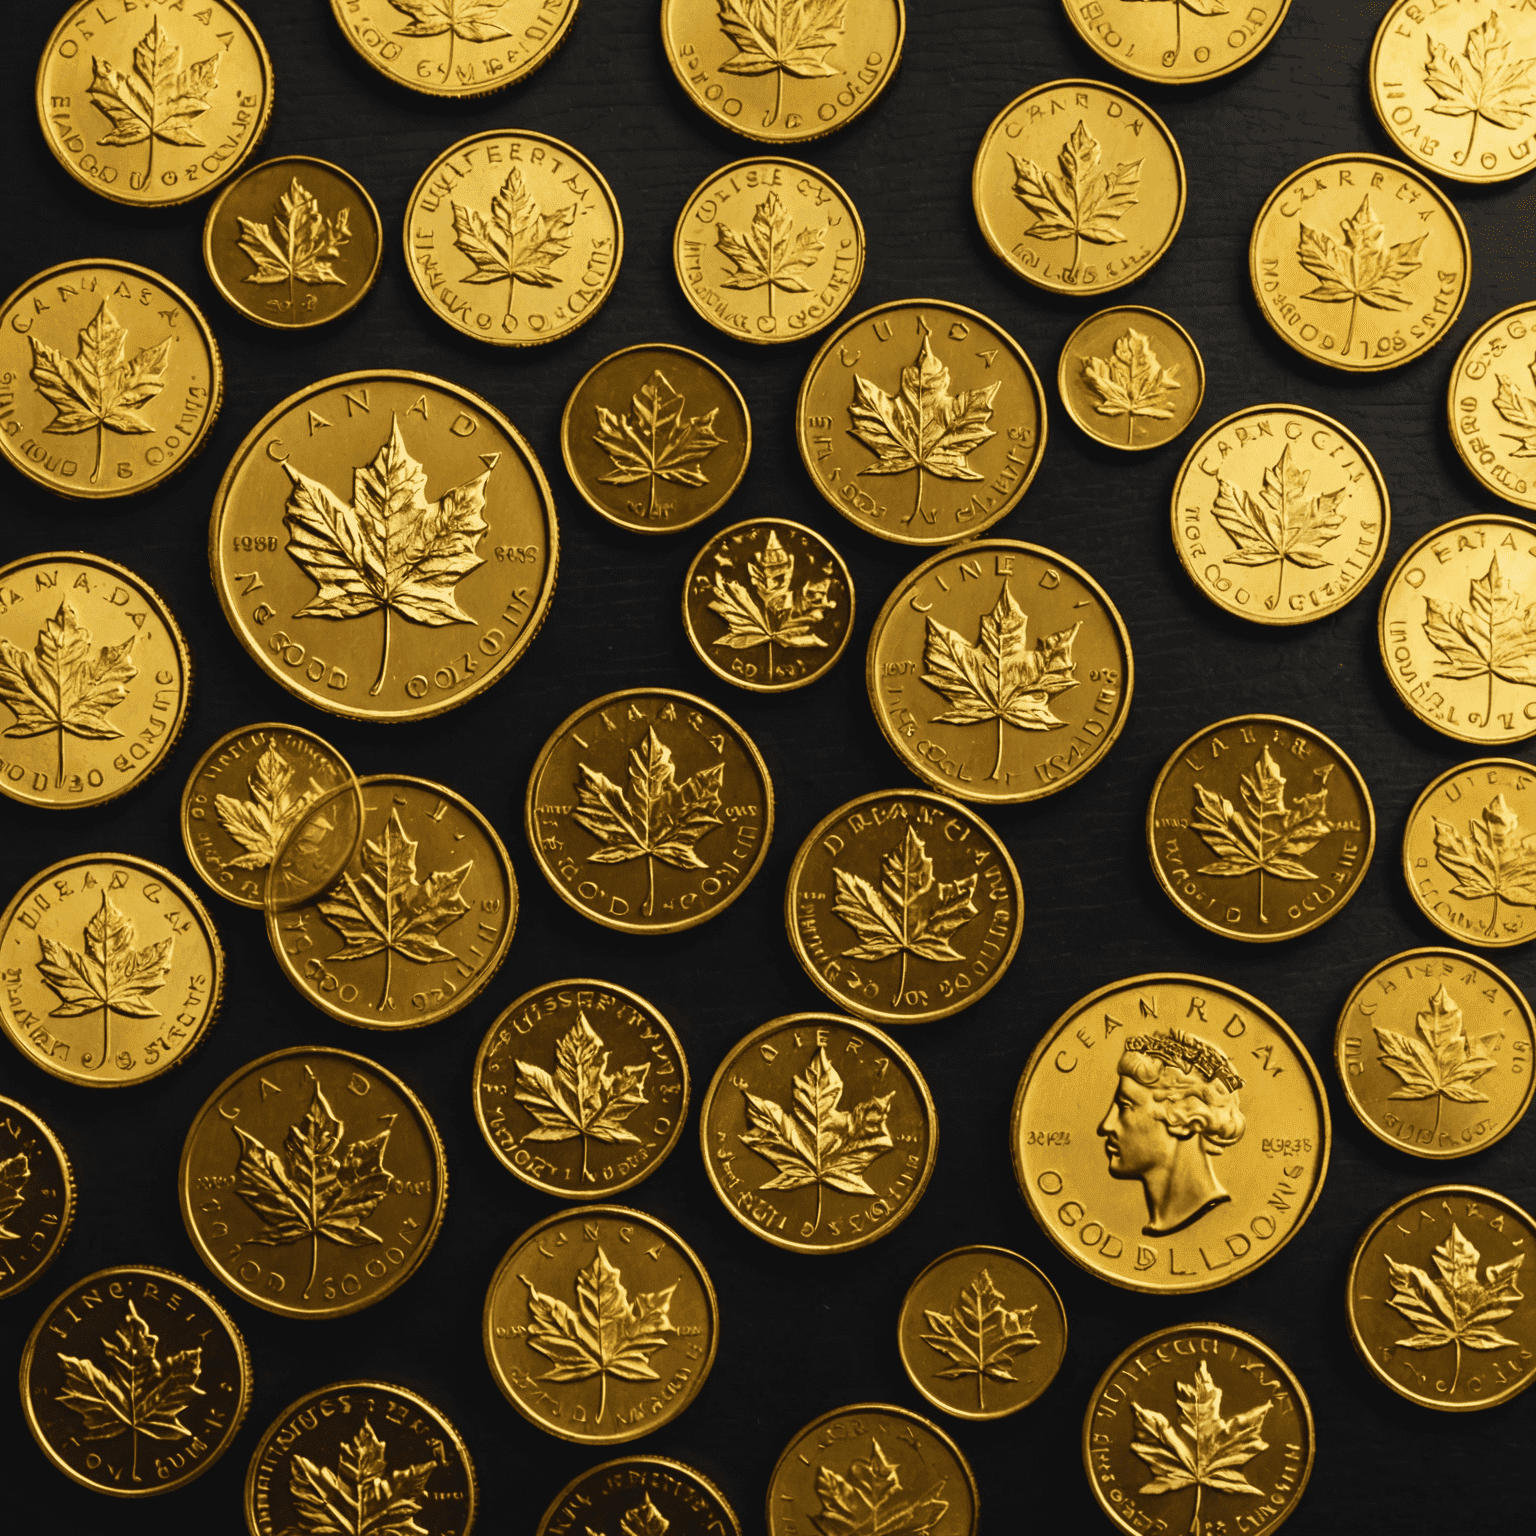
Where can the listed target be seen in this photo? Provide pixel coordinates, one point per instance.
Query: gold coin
(904, 907)
(1082, 170)
(1492, 404)
(869, 403)
(37, 1196)
(519, 208)
(1135, 366)
(932, 685)
(1282, 490)
(1359, 262)
(819, 1133)
(647, 1495)
(741, 599)
(1435, 1049)
(656, 438)
(1117, 1164)
(1198, 42)
(769, 249)
(649, 810)
(581, 1088)
(1218, 822)
(982, 1332)
(578, 1280)
(285, 1191)
(154, 112)
(395, 498)
(1435, 1305)
(99, 1346)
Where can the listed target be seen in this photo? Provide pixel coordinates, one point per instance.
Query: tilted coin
(312, 1182)
(1078, 187)
(993, 718)
(873, 402)
(1116, 1154)
(1253, 796)
(600, 1324)
(903, 906)
(37, 1196)
(1197, 42)
(1491, 402)
(1359, 262)
(1131, 377)
(643, 1494)
(373, 460)
(819, 1133)
(649, 810)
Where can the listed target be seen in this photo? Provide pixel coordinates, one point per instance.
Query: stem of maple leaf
(997, 765)
(917, 511)
(650, 899)
(650, 510)
(1130, 429)
(1488, 718)
(389, 957)
(101, 444)
(770, 297)
(293, 309)
(901, 991)
(1349, 335)
(586, 1177)
(1471, 138)
(1178, 44)
(602, 1399)
(58, 783)
(1457, 1376)
(106, 1025)
(378, 682)
(1262, 918)
(778, 106)
(452, 37)
(134, 1471)
(1280, 584)
(1440, 1104)
(818, 1206)
(1494, 921)
(314, 1262)
(1077, 253)
(1194, 1525)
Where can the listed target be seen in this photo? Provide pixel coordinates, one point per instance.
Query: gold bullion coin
(647, 1495)
(748, 618)
(1131, 377)
(649, 810)
(1359, 262)
(519, 208)
(656, 438)
(1252, 796)
(552, 1304)
(1117, 1157)
(1492, 403)
(1280, 491)
(581, 1088)
(1078, 187)
(904, 906)
(37, 1196)
(1435, 1305)
(134, 1381)
(312, 1182)
(819, 1133)
(870, 406)
(1198, 42)
(993, 718)
(399, 500)
(1435, 1049)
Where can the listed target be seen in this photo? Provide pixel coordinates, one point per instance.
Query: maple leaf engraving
(643, 1520)
(654, 441)
(764, 255)
(784, 37)
(275, 808)
(468, 21)
(1194, 7)
(1491, 861)
(362, 1497)
(1132, 382)
(1363, 270)
(1519, 410)
(870, 1500)
(1489, 88)
(517, 243)
(981, 1335)
(779, 615)
(1494, 638)
(14, 1173)
(306, 243)
(1082, 203)
(1444, 1062)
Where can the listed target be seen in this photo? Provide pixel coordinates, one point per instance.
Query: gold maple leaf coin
(1131, 377)
(37, 1196)
(1491, 405)
(641, 1496)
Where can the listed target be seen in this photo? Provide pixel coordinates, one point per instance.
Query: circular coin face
(1188, 1151)
(656, 438)
(819, 1133)
(1131, 377)
(384, 545)
(105, 1337)
(1260, 828)
(1280, 514)
(649, 810)
(865, 422)
(581, 1088)
(1492, 405)
(643, 1494)
(37, 1195)
(951, 720)
(560, 1285)
(370, 1163)
(1435, 1298)
(1193, 44)
(1067, 147)
(1358, 262)
(505, 191)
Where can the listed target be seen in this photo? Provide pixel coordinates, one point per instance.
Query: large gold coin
(1131, 377)
(1116, 1154)
(1197, 42)
(37, 1197)
(1078, 187)
(646, 1495)
(964, 698)
(1359, 262)
(936, 402)
(394, 499)
(1491, 402)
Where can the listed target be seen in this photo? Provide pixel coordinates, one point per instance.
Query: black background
(799, 1335)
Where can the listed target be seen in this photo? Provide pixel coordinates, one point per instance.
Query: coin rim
(71, 1196)
(1528, 309)
(1215, 74)
(629, 1461)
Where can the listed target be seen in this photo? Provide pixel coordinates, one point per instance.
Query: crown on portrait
(1191, 1053)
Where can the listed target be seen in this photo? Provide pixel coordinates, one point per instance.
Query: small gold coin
(903, 906)
(1198, 42)
(1116, 1156)
(973, 726)
(1078, 187)
(649, 810)
(1435, 1050)
(644, 1494)
(154, 112)
(581, 1088)
(748, 618)
(37, 1196)
(1252, 796)
(313, 1182)
(399, 500)
(869, 405)
(1359, 262)
(819, 1133)
(1492, 404)
(1435, 1304)
(1131, 377)
(600, 1324)
(519, 208)
(1282, 491)
(656, 438)
(109, 1335)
